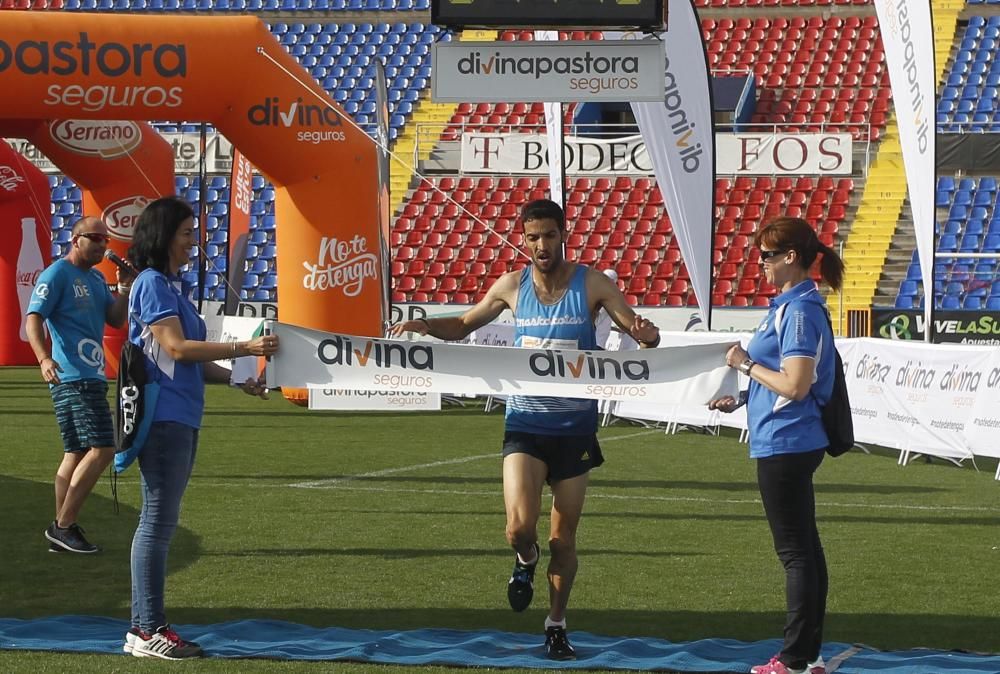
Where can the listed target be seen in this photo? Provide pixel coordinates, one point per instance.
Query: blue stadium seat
(970, 243)
(950, 302)
(972, 303)
(904, 302)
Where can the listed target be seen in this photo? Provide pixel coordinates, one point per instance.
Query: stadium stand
(813, 70)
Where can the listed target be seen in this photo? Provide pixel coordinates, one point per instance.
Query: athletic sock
(549, 622)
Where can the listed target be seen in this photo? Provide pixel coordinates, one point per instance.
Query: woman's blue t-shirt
(155, 297)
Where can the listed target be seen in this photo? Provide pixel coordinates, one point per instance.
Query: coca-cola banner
(739, 153)
(25, 204)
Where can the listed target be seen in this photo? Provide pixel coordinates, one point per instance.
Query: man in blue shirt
(546, 440)
(72, 299)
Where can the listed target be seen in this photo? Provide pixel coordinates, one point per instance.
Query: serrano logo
(9, 180)
(341, 351)
(554, 364)
(272, 113)
(341, 264)
(107, 140)
(121, 216)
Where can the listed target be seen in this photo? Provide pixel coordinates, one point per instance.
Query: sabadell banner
(950, 327)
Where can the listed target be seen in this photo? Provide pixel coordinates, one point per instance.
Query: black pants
(786, 489)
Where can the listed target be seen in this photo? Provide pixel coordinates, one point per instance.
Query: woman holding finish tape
(171, 334)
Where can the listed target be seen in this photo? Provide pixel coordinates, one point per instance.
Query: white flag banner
(908, 36)
(680, 138)
(912, 396)
(553, 133)
(308, 358)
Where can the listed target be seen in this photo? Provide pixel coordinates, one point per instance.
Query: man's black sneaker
(557, 644)
(520, 587)
(71, 538)
(55, 548)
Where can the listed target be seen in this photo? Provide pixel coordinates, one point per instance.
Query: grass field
(402, 528)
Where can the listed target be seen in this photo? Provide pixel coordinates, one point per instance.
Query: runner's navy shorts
(565, 455)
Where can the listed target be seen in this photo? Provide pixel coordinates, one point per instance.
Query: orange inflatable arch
(231, 72)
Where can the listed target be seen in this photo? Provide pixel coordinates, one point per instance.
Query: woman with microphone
(167, 327)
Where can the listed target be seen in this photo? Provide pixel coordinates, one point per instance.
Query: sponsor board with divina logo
(311, 358)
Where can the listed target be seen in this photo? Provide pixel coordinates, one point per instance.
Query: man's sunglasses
(766, 255)
(95, 237)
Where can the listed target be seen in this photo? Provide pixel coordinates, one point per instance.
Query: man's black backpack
(836, 414)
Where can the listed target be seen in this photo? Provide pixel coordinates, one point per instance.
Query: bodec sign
(747, 154)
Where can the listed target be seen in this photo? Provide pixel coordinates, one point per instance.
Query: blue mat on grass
(290, 641)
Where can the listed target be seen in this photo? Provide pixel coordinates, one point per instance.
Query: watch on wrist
(746, 366)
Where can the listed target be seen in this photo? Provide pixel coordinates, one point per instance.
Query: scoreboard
(649, 14)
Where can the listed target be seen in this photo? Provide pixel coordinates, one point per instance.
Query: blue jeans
(165, 465)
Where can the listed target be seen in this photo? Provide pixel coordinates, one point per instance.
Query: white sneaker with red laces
(166, 644)
(775, 666)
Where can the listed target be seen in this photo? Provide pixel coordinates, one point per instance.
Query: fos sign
(541, 71)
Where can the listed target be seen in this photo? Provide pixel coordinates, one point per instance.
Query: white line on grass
(593, 494)
(337, 481)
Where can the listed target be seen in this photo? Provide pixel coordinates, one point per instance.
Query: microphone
(120, 263)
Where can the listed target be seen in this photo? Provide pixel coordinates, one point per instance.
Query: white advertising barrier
(494, 334)
(678, 319)
(373, 401)
(234, 329)
(692, 411)
(541, 71)
(738, 154)
(915, 397)
(186, 147)
(982, 431)
(908, 35)
(311, 358)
